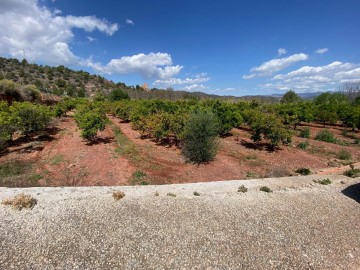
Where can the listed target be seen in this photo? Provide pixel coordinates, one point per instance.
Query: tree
(90, 121)
(290, 97)
(118, 94)
(5, 125)
(200, 137)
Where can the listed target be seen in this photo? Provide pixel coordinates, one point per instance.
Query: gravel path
(301, 225)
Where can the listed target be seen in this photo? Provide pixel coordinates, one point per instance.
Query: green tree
(200, 136)
(290, 97)
(90, 121)
(118, 94)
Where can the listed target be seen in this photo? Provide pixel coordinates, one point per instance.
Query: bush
(200, 137)
(344, 154)
(21, 201)
(265, 189)
(5, 125)
(352, 173)
(303, 145)
(28, 117)
(305, 133)
(117, 195)
(325, 136)
(303, 171)
(323, 182)
(118, 94)
(90, 121)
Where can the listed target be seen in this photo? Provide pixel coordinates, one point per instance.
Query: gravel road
(300, 225)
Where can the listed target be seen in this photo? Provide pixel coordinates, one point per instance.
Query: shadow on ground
(353, 192)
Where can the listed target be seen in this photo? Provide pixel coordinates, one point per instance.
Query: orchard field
(112, 140)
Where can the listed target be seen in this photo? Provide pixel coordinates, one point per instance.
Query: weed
(196, 193)
(139, 178)
(56, 160)
(14, 168)
(305, 133)
(343, 154)
(171, 194)
(303, 171)
(157, 193)
(323, 182)
(250, 174)
(139, 174)
(125, 147)
(21, 201)
(117, 195)
(326, 136)
(345, 132)
(303, 145)
(278, 172)
(352, 173)
(242, 189)
(265, 189)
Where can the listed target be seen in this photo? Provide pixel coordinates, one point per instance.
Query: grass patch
(125, 147)
(305, 133)
(21, 201)
(323, 181)
(139, 178)
(170, 194)
(117, 195)
(56, 160)
(242, 189)
(278, 172)
(303, 171)
(352, 173)
(326, 136)
(303, 145)
(250, 174)
(344, 154)
(265, 189)
(14, 168)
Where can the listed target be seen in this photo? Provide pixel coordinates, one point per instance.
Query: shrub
(303, 145)
(90, 121)
(352, 173)
(118, 94)
(325, 136)
(200, 137)
(196, 193)
(21, 201)
(265, 189)
(323, 182)
(5, 125)
(242, 189)
(117, 195)
(344, 154)
(305, 133)
(303, 171)
(28, 117)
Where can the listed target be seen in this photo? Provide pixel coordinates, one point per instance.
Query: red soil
(64, 158)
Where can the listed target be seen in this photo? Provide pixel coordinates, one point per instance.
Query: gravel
(300, 225)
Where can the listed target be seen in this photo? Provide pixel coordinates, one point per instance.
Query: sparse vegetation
(326, 136)
(304, 171)
(265, 189)
(305, 133)
(303, 145)
(21, 201)
(344, 154)
(242, 189)
(352, 173)
(170, 194)
(117, 195)
(195, 193)
(326, 181)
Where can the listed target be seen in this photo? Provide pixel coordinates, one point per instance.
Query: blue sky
(221, 47)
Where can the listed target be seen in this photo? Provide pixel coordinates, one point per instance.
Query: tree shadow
(100, 140)
(353, 192)
(259, 146)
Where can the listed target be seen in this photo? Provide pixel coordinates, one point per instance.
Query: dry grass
(117, 195)
(21, 201)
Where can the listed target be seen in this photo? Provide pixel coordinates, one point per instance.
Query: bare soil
(60, 157)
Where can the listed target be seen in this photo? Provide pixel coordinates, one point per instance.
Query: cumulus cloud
(150, 66)
(197, 79)
(270, 67)
(317, 78)
(43, 34)
(195, 88)
(281, 51)
(322, 51)
(128, 21)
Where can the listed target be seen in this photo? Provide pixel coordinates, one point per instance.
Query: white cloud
(318, 78)
(322, 51)
(150, 66)
(128, 21)
(281, 51)
(91, 39)
(198, 78)
(44, 35)
(270, 67)
(195, 88)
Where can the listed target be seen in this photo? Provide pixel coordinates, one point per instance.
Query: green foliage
(90, 120)
(326, 181)
(326, 136)
(99, 96)
(305, 133)
(200, 136)
(344, 154)
(118, 94)
(265, 189)
(290, 97)
(303, 145)
(303, 171)
(28, 117)
(352, 173)
(5, 125)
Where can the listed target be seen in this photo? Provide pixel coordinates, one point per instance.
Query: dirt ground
(60, 157)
